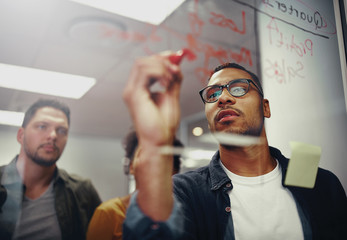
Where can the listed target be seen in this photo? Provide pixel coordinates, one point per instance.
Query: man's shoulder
(200, 176)
(2, 168)
(112, 206)
(111, 203)
(9, 173)
(81, 187)
(192, 177)
(199, 172)
(11, 165)
(73, 180)
(327, 179)
(324, 176)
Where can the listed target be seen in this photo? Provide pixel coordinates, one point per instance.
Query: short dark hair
(29, 114)
(235, 65)
(131, 142)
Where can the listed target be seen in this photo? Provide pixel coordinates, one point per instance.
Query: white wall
(99, 159)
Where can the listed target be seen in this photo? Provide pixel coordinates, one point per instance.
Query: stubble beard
(252, 129)
(247, 130)
(42, 161)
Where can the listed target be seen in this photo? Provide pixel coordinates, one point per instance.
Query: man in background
(108, 218)
(42, 201)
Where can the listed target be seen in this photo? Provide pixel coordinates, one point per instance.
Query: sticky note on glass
(303, 165)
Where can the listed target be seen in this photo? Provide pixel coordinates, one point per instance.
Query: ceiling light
(45, 82)
(11, 118)
(197, 131)
(150, 11)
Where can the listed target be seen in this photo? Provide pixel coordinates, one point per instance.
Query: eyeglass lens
(236, 88)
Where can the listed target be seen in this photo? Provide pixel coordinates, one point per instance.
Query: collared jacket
(203, 206)
(75, 202)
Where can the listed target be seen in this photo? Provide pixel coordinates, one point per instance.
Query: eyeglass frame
(227, 87)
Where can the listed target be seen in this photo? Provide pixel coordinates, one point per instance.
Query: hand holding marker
(177, 57)
(174, 58)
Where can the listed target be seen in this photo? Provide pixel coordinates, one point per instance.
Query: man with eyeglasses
(240, 194)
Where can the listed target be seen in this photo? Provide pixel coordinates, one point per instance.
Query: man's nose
(53, 134)
(226, 97)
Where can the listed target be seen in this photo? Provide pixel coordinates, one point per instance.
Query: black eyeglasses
(236, 88)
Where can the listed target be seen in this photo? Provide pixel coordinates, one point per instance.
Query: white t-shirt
(262, 209)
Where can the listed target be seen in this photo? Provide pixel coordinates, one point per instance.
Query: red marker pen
(177, 57)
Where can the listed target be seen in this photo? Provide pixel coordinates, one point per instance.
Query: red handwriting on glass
(243, 55)
(280, 40)
(307, 15)
(209, 51)
(107, 32)
(196, 24)
(222, 55)
(281, 73)
(221, 21)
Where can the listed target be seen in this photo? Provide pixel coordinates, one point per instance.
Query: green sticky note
(303, 165)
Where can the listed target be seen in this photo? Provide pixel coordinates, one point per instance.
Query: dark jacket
(203, 196)
(75, 202)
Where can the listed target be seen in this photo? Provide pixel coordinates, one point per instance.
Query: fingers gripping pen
(177, 57)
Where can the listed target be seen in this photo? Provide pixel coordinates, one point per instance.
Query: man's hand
(155, 114)
(156, 117)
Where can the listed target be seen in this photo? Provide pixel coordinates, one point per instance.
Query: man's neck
(36, 178)
(250, 161)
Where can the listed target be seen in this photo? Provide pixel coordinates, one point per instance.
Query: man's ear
(266, 108)
(20, 135)
(131, 169)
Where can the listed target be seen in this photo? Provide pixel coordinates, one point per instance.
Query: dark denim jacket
(203, 205)
(75, 202)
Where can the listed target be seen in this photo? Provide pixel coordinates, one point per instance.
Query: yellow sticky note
(303, 165)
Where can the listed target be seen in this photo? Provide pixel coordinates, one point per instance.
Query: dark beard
(39, 160)
(247, 132)
(43, 162)
(255, 132)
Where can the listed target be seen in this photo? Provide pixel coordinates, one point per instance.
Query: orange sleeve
(107, 221)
